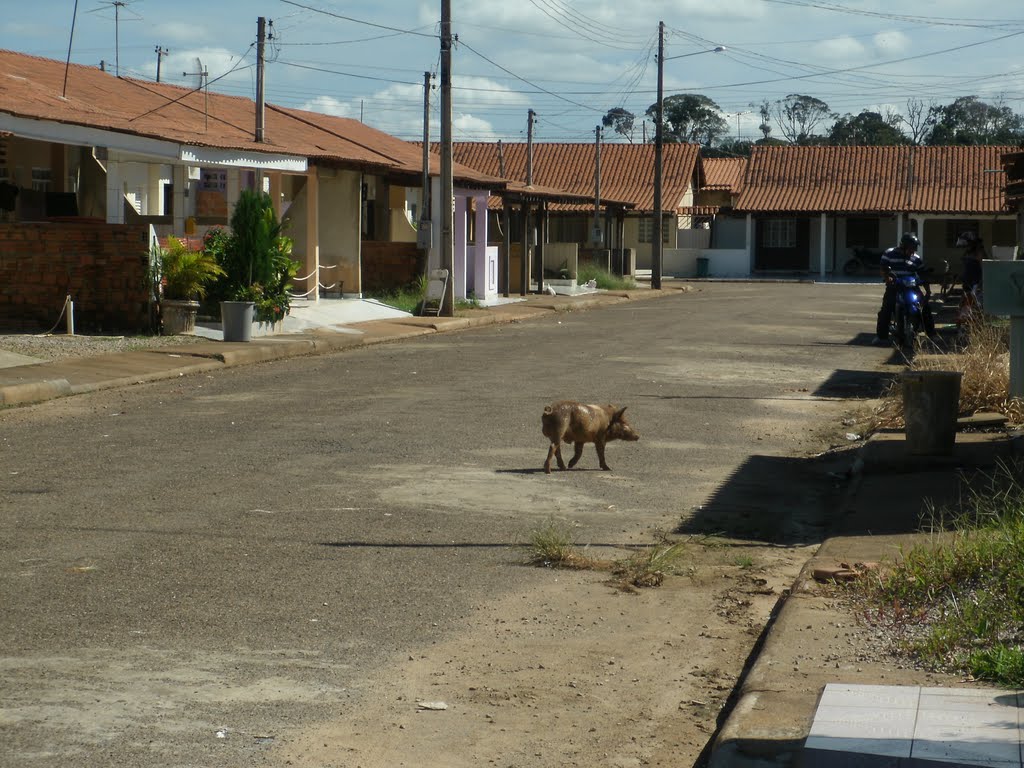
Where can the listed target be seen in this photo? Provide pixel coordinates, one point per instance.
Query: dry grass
(984, 362)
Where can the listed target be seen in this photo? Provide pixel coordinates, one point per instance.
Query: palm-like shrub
(185, 274)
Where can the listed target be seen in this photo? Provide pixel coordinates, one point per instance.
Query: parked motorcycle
(863, 261)
(912, 296)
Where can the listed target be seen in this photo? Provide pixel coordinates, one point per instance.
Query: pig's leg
(558, 455)
(576, 454)
(554, 450)
(599, 444)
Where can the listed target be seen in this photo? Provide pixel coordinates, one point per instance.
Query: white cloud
(329, 105)
(892, 43)
(839, 48)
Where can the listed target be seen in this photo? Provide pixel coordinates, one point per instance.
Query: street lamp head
(716, 49)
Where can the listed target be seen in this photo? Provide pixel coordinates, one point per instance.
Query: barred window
(778, 233)
(41, 179)
(646, 233)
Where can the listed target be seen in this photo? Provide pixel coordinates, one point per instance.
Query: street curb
(144, 378)
(35, 392)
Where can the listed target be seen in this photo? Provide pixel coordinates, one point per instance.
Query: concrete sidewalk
(807, 648)
(26, 381)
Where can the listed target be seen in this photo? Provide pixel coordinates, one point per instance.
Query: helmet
(909, 240)
(966, 239)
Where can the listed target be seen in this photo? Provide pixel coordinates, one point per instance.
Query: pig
(578, 423)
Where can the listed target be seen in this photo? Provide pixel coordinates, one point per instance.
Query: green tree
(798, 116)
(867, 129)
(692, 118)
(970, 121)
(621, 121)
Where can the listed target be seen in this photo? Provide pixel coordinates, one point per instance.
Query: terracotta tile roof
(940, 180)
(724, 173)
(32, 87)
(627, 170)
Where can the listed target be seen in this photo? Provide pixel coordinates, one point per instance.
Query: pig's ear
(618, 413)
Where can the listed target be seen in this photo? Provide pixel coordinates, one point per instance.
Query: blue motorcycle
(911, 301)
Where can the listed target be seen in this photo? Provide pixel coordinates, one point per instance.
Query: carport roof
(905, 179)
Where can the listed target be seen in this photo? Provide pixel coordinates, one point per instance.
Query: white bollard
(69, 306)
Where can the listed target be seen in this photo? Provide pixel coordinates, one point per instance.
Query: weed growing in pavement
(553, 545)
(649, 566)
(956, 603)
(604, 279)
(984, 361)
(407, 298)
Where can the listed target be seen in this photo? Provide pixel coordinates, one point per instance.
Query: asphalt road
(253, 547)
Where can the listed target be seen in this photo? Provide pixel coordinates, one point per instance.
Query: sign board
(1003, 283)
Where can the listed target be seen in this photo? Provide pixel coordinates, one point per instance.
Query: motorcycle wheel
(907, 331)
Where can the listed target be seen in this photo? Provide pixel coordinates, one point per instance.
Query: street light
(656, 243)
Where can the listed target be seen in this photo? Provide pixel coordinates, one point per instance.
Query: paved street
(205, 571)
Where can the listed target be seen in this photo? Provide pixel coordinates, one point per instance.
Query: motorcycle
(864, 260)
(912, 296)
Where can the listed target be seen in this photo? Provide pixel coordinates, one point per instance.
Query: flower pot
(236, 320)
(178, 316)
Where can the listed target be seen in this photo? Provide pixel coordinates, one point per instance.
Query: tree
(969, 121)
(798, 116)
(621, 121)
(691, 117)
(916, 120)
(764, 109)
(868, 129)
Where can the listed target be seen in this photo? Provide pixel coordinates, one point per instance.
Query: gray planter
(236, 320)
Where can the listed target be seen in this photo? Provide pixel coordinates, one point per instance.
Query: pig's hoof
(547, 470)
(606, 468)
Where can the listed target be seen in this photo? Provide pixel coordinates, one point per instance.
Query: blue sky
(568, 60)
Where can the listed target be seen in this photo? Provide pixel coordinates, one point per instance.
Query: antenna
(202, 82)
(117, 5)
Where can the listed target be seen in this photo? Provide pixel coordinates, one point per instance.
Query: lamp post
(656, 237)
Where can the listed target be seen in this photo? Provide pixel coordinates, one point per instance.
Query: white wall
(682, 262)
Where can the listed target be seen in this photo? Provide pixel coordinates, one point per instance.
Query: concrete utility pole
(598, 240)
(538, 266)
(447, 183)
(656, 251)
(261, 45)
(160, 53)
(423, 233)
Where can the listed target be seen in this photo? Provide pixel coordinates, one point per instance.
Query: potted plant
(184, 277)
(258, 267)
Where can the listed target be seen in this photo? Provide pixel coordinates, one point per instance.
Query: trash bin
(702, 266)
(931, 404)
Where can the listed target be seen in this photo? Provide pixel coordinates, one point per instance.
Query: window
(646, 234)
(41, 179)
(778, 233)
(862, 233)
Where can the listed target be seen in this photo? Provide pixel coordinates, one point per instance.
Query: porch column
(750, 241)
(459, 260)
(233, 190)
(115, 192)
(311, 264)
(482, 271)
(179, 180)
(823, 245)
(506, 225)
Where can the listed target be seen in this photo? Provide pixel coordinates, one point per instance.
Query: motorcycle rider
(970, 274)
(901, 259)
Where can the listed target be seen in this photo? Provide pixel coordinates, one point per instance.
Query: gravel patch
(56, 346)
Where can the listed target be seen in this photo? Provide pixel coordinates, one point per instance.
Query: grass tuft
(956, 603)
(553, 545)
(604, 279)
(648, 567)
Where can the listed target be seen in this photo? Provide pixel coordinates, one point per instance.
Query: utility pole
(598, 240)
(527, 239)
(160, 53)
(656, 249)
(530, 119)
(424, 235)
(261, 46)
(447, 184)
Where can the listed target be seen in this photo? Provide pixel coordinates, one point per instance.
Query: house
(616, 182)
(94, 166)
(803, 210)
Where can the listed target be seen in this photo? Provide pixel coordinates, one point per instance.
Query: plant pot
(236, 320)
(178, 316)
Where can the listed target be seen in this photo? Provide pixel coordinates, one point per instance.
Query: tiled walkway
(912, 727)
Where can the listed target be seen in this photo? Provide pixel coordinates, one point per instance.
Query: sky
(568, 60)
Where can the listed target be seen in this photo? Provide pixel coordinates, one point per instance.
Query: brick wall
(387, 266)
(102, 266)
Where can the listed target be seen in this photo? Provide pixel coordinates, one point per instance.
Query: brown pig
(577, 423)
